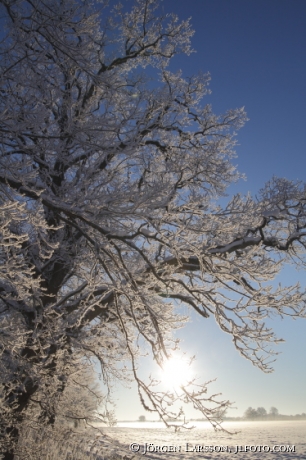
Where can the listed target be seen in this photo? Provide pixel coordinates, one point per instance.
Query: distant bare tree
(250, 413)
(273, 412)
(261, 412)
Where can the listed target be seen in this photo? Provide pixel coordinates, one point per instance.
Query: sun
(176, 372)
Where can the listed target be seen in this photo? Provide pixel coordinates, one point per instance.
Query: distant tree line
(261, 414)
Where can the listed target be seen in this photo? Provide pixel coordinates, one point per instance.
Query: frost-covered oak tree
(110, 170)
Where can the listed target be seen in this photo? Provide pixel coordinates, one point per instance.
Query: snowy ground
(155, 442)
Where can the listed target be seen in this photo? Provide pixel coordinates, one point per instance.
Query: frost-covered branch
(108, 215)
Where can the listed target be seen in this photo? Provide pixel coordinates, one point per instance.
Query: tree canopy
(111, 167)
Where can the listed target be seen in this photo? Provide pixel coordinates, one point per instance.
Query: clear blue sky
(255, 51)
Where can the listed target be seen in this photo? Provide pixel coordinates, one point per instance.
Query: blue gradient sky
(255, 51)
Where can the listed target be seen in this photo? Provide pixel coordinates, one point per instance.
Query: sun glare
(176, 372)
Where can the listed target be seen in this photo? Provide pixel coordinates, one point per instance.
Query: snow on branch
(108, 215)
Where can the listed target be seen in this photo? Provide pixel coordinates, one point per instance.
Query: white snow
(167, 443)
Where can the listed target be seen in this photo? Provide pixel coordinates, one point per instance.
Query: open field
(156, 442)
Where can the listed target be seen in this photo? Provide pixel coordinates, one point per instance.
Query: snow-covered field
(267, 440)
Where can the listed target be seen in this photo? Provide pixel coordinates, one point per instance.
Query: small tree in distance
(273, 412)
(108, 191)
(250, 413)
(261, 412)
